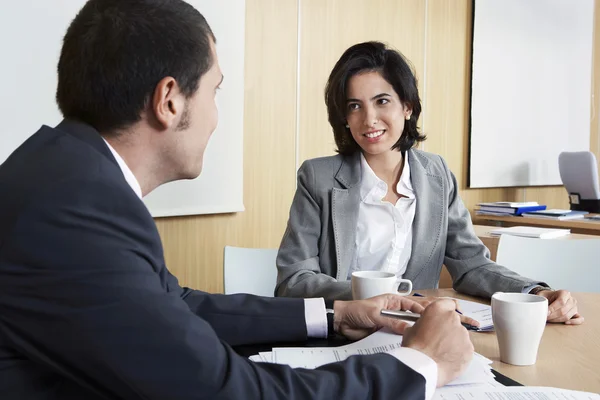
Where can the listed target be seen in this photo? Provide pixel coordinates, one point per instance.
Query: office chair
(579, 174)
(247, 270)
(563, 263)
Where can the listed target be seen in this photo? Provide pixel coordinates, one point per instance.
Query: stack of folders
(531, 232)
(508, 208)
(556, 214)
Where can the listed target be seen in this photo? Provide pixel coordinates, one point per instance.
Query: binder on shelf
(514, 204)
(557, 214)
(512, 210)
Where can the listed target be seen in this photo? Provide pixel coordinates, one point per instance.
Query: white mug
(366, 284)
(519, 322)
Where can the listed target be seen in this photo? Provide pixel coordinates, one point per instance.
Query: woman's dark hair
(116, 51)
(394, 68)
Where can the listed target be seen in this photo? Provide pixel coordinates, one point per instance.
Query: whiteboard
(31, 33)
(531, 89)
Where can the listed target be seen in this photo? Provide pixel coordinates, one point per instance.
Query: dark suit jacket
(88, 309)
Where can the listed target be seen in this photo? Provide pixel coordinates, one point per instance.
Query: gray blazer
(319, 245)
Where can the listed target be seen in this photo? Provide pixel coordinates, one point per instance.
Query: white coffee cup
(367, 284)
(519, 322)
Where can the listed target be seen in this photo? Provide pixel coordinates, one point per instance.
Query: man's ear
(167, 103)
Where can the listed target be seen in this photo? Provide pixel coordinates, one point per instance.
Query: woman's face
(374, 113)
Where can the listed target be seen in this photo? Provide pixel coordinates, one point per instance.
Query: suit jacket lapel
(344, 209)
(429, 214)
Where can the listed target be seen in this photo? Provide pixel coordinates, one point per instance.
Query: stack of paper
(511, 393)
(480, 312)
(478, 372)
(532, 232)
(508, 208)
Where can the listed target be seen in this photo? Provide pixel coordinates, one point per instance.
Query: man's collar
(127, 173)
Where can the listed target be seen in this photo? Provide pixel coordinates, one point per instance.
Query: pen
(409, 316)
(420, 295)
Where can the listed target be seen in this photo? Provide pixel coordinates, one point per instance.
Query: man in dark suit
(88, 309)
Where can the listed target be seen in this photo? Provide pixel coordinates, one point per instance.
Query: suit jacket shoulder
(432, 164)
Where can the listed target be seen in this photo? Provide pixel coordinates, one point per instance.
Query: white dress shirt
(384, 230)
(314, 309)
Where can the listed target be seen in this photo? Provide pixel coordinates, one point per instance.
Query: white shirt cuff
(316, 319)
(420, 363)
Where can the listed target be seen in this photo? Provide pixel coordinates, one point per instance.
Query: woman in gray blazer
(381, 204)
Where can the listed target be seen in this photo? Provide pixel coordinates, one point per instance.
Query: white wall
(31, 33)
(531, 89)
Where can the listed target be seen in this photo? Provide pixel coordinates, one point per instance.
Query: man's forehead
(215, 60)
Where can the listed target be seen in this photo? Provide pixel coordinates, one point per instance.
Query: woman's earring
(408, 117)
(347, 126)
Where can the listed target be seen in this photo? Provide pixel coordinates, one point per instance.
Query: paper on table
(476, 373)
(478, 311)
(512, 393)
(313, 357)
(484, 360)
(382, 341)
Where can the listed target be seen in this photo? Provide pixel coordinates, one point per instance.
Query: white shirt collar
(129, 177)
(370, 181)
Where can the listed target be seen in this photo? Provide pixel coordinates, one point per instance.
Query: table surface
(568, 357)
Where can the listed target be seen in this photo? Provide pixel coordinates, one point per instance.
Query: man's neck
(138, 160)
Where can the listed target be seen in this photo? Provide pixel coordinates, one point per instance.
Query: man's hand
(439, 334)
(359, 318)
(562, 307)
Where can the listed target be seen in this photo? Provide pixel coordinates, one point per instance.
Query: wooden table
(491, 241)
(585, 226)
(568, 357)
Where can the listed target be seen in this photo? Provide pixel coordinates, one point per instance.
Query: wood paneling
(194, 245)
(447, 96)
(327, 29)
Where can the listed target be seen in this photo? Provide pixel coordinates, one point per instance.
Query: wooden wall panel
(194, 245)
(447, 95)
(327, 29)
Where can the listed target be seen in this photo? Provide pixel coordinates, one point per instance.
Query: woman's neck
(387, 166)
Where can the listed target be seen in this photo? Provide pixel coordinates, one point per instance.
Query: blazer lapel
(429, 214)
(344, 209)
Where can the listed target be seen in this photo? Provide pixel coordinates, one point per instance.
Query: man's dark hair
(115, 52)
(394, 68)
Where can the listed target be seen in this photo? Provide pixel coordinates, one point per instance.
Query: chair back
(247, 270)
(579, 174)
(571, 264)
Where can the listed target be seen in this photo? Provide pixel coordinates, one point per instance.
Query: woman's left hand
(562, 307)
